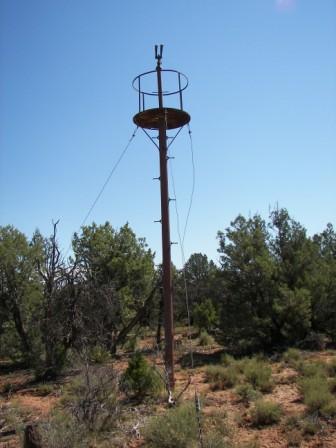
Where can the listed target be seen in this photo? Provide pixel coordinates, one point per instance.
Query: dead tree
(61, 285)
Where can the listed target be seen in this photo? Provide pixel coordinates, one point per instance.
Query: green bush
(227, 359)
(221, 377)
(312, 368)
(205, 339)
(292, 422)
(216, 440)
(259, 375)
(176, 428)
(316, 393)
(329, 409)
(310, 427)
(247, 393)
(13, 416)
(265, 413)
(292, 357)
(99, 355)
(216, 422)
(241, 364)
(131, 344)
(141, 379)
(10, 344)
(45, 389)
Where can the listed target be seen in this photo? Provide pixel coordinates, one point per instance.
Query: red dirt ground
(284, 393)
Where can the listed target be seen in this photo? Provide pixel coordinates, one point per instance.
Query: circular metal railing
(176, 84)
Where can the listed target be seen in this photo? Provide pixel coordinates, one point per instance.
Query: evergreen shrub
(141, 379)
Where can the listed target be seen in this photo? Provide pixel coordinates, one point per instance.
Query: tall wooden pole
(166, 243)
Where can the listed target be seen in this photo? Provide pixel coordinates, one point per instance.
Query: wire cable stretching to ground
(193, 183)
(101, 191)
(181, 239)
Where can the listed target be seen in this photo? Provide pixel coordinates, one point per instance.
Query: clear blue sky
(262, 98)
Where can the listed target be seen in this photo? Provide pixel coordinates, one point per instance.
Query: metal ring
(163, 93)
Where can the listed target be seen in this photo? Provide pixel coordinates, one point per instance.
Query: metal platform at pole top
(149, 118)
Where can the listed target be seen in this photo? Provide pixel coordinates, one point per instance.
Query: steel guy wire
(101, 191)
(181, 241)
(193, 182)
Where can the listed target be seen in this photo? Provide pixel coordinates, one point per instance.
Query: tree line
(274, 286)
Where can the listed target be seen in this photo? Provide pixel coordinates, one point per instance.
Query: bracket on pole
(158, 53)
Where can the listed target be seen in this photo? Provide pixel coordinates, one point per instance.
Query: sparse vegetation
(222, 377)
(247, 393)
(329, 409)
(63, 431)
(265, 413)
(259, 374)
(292, 357)
(310, 369)
(227, 359)
(265, 295)
(177, 428)
(98, 355)
(294, 438)
(45, 389)
(92, 399)
(205, 339)
(310, 426)
(316, 393)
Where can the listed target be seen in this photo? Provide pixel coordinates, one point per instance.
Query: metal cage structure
(149, 118)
